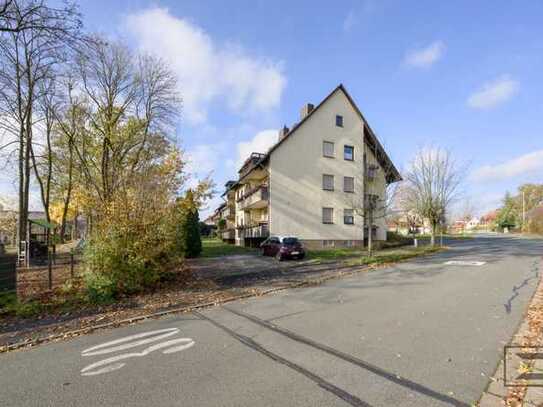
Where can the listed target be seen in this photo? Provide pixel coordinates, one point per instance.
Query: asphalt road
(421, 333)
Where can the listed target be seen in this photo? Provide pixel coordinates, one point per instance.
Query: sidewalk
(530, 333)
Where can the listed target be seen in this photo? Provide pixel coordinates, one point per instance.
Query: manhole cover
(464, 263)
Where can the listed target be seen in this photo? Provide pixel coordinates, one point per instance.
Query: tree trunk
(433, 235)
(67, 199)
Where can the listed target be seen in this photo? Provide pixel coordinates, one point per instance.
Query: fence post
(72, 264)
(50, 268)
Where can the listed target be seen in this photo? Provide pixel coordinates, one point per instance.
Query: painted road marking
(464, 263)
(114, 363)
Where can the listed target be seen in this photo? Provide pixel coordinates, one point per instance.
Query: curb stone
(128, 321)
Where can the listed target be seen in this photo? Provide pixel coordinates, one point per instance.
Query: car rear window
(290, 240)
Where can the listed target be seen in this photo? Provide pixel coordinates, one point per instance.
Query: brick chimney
(306, 109)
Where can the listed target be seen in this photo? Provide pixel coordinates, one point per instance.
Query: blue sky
(465, 76)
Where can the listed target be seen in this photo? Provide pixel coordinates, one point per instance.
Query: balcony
(259, 231)
(228, 212)
(250, 163)
(371, 172)
(255, 198)
(228, 234)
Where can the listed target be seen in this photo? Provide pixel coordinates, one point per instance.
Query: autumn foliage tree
(128, 166)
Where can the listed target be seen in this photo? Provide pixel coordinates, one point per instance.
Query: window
(328, 149)
(339, 121)
(328, 243)
(349, 243)
(327, 215)
(290, 241)
(327, 182)
(348, 184)
(348, 217)
(348, 153)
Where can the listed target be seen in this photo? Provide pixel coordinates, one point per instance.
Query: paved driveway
(418, 334)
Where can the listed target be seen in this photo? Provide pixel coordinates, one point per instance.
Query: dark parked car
(283, 248)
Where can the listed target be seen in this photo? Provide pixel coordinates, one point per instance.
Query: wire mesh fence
(42, 276)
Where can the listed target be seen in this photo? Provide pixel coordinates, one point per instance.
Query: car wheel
(301, 256)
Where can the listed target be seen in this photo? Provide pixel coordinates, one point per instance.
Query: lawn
(358, 256)
(218, 248)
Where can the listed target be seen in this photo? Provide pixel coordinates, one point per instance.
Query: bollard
(415, 243)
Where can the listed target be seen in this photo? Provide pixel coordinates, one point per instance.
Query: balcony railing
(250, 163)
(371, 172)
(255, 197)
(228, 234)
(228, 212)
(254, 231)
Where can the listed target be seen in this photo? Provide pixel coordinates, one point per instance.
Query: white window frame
(325, 176)
(352, 152)
(344, 184)
(345, 216)
(324, 153)
(331, 222)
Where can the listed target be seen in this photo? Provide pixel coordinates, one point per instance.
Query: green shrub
(127, 262)
(7, 300)
(28, 309)
(396, 240)
(9, 304)
(190, 241)
(100, 289)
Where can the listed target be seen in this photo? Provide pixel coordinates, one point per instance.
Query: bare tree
(33, 41)
(21, 15)
(132, 105)
(69, 122)
(405, 209)
(379, 188)
(432, 184)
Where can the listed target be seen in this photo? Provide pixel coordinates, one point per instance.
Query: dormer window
(339, 121)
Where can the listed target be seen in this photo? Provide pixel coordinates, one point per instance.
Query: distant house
(488, 220)
(473, 223)
(458, 226)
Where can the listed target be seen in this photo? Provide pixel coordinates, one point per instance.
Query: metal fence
(42, 275)
(8, 272)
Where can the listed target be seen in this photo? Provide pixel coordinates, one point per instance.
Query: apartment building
(317, 182)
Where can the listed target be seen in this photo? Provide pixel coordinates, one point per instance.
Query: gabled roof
(392, 174)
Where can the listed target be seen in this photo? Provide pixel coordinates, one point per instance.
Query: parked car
(283, 248)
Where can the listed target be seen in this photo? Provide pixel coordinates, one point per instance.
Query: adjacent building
(318, 182)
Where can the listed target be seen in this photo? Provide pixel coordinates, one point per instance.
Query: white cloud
(208, 71)
(494, 93)
(260, 143)
(425, 57)
(350, 21)
(203, 158)
(527, 164)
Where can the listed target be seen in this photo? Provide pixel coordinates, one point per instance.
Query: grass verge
(218, 248)
(358, 256)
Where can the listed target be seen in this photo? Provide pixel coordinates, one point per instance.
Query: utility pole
(523, 210)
